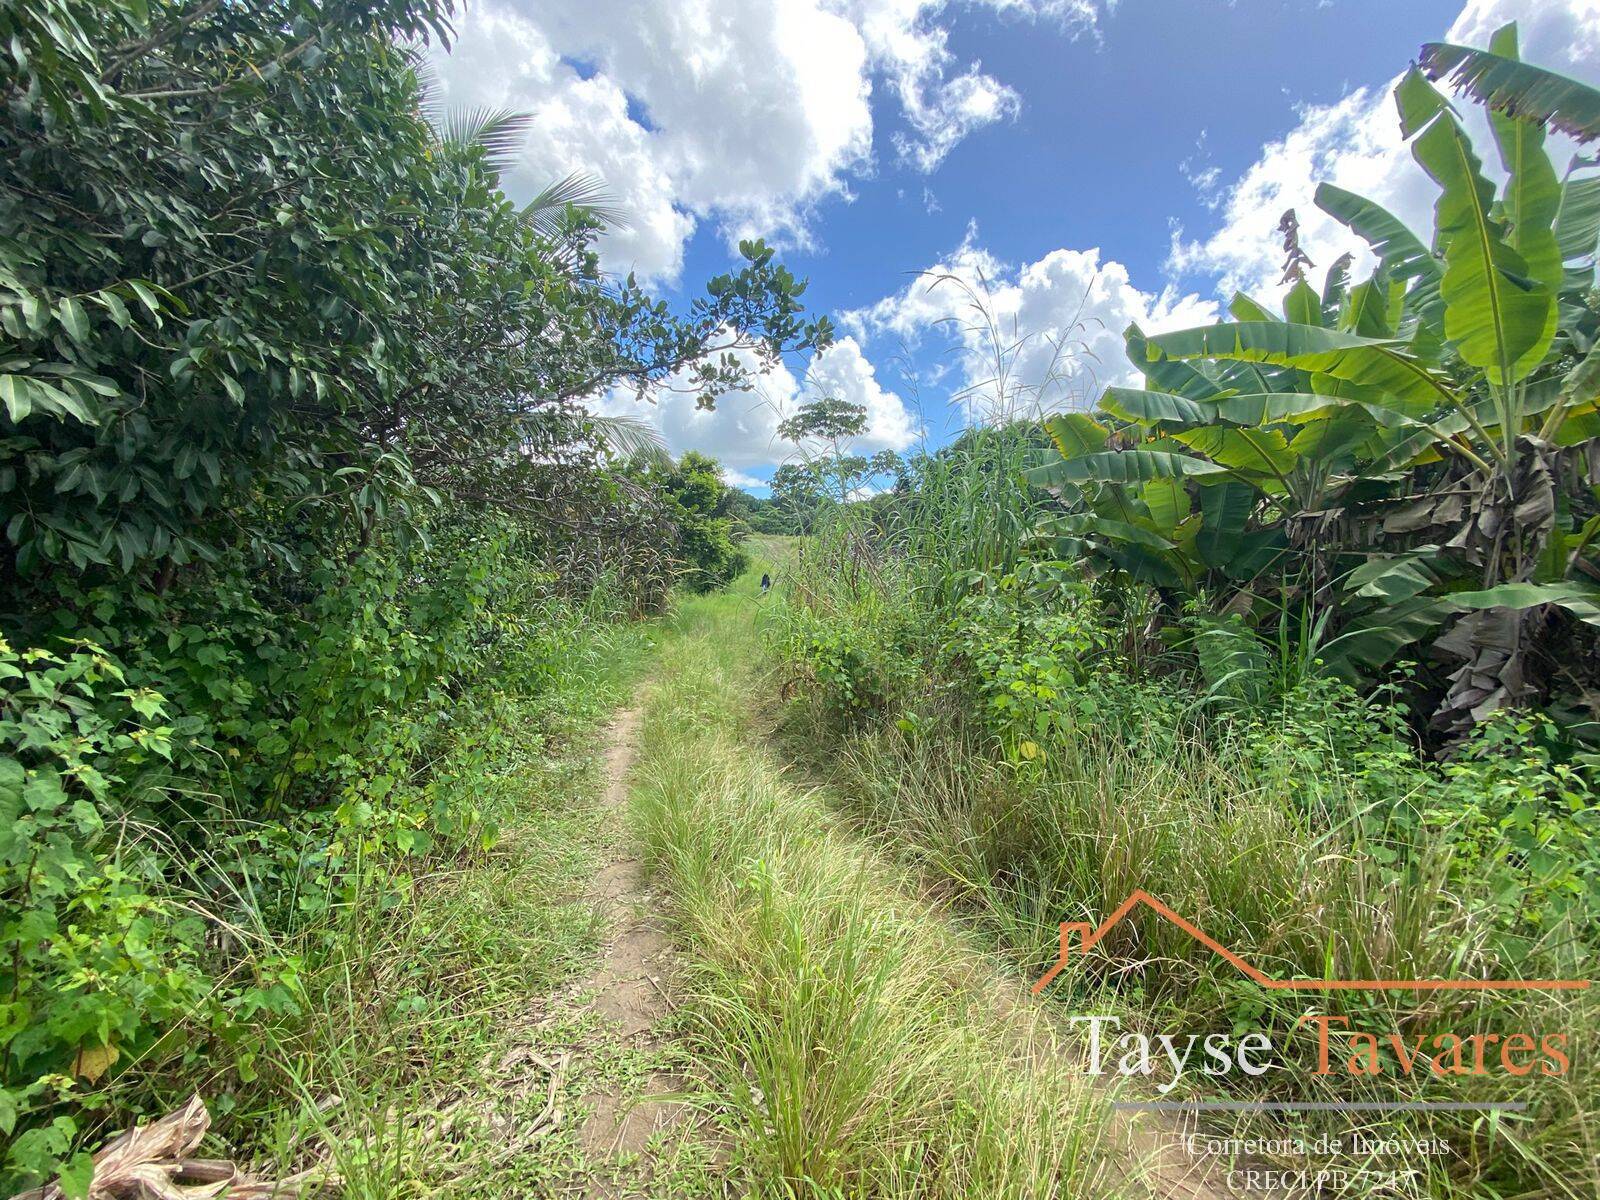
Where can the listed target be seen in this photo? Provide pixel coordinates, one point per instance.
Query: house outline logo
(1090, 935)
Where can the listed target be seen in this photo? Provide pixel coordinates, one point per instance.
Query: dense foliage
(294, 460)
(701, 507)
(1297, 637)
(1406, 460)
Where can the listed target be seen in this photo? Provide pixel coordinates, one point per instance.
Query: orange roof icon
(1089, 935)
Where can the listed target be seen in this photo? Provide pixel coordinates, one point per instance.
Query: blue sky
(1093, 158)
(1098, 161)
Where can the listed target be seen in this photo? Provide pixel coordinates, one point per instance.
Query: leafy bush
(700, 506)
(297, 482)
(94, 954)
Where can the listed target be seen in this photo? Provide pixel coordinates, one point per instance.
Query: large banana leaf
(1122, 466)
(1258, 451)
(1517, 89)
(1083, 524)
(1579, 599)
(1167, 501)
(1369, 309)
(1376, 363)
(1533, 192)
(1143, 563)
(1244, 308)
(1403, 253)
(1319, 443)
(1155, 408)
(1224, 542)
(1582, 383)
(1335, 287)
(1075, 434)
(1499, 320)
(1224, 512)
(1302, 305)
(1268, 408)
(1179, 378)
(1578, 219)
(1396, 578)
(1371, 640)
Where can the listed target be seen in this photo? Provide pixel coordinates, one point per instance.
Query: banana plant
(1416, 431)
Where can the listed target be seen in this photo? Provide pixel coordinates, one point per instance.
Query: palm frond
(631, 437)
(1516, 88)
(586, 193)
(499, 132)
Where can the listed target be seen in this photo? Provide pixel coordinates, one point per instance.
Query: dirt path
(629, 987)
(631, 992)
(1158, 1141)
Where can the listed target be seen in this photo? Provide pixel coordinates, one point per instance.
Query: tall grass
(1297, 891)
(397, 1067)
(1261, 812)
(857, 1046)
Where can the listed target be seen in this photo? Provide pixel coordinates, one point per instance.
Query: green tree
(702, 508)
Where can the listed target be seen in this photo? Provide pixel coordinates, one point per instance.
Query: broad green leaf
(1302, 306)
(1418, 101)
(1320, 442)
(1224, 512)
(1367, 310)
(1517, 89)
(147, 297)
(1375, 363)
(1335, 286)
(1499, 320)
(16, 393)
(1075, 434)
(73, 319)
(1259, 450)
(1178, 378)
(1395, 578)
(1167, 501)
(1579, 599)
(1533, 192)
(76, 1176)
(1152, 408)
(1145, 564)
(1122, 466)
(23, 395)
(1079, 524)
(1244, 308)
(1402, 254)
(1578, 219)
(1270, 408)
(1582, 383)
(1372, 640)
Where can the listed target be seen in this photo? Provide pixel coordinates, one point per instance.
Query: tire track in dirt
(630, 989)
(629, 985)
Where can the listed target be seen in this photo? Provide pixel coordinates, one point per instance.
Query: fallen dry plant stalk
(152, 1162)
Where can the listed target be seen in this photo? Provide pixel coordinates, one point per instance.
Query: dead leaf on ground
(153, 1162)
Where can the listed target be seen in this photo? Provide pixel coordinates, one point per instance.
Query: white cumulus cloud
(746, 113)
(742, 432)
(1039, 336)
(1356, 144)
